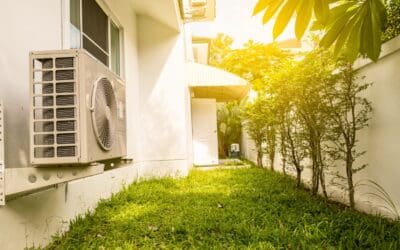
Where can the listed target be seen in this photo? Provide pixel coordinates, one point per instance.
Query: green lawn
(246, 208)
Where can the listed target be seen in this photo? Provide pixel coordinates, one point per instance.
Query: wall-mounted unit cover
(77, 109)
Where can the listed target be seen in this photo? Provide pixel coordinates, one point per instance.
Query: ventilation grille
(54, 107)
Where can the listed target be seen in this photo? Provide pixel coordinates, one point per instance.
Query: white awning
(210, 82)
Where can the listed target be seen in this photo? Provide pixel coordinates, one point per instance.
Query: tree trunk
(272, 159)
(321, 172)
(315, 174)
(295, 159)
(349, 172)
(315, 162)
(271, 146)
(298, 178)
(259, 156)
(283, 153)
(322, 180)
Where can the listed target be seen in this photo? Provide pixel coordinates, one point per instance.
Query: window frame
(110, 42)
(111, 19)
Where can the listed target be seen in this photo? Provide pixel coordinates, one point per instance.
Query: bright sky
(234, 17)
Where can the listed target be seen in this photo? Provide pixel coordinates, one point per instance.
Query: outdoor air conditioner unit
(77, 113)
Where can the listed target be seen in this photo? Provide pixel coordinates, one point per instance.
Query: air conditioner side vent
(54, 109)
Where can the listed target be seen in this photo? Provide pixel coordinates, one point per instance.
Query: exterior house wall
(162, 101)
(188, 95)
(158, 106)
(380, 140)
(37, 26)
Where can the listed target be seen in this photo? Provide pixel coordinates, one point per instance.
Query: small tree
(254, 123)
(220, 47)
(271, 122)
(392, 28)
(253, 62)
(309, 79)
(277, 87)
(296, 144)
(350, 113)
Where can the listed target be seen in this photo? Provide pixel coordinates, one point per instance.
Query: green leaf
(304, 13)
(338, 11)
(284, 17)
(260, 6)
(321, 10)
(342, 38)
(271, 11)
(353, 42)
(378, 18)
(316, 26)
(332, 34)
(350, 35)
(339, 23)
(372, 32)
(364, 34)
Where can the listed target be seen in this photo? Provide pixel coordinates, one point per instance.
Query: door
(205, 139)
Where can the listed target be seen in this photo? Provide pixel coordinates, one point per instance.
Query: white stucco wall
(381, 139)
(163, 96)
(248, 147)
(33, 219)
(249, 150)
(158, 114)
(25, 26)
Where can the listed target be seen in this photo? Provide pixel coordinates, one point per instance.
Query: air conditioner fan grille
(104, 113)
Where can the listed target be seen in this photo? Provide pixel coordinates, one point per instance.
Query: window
(75, 27)
(93, 30)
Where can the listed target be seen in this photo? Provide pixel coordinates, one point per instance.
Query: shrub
(393, 24)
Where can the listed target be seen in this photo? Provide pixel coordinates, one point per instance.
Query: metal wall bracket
(2, 166)
(20, 181)
(15, 181)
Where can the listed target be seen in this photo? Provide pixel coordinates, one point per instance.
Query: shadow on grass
(242, 208)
